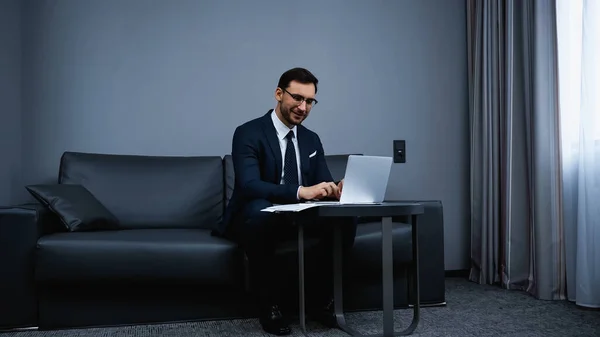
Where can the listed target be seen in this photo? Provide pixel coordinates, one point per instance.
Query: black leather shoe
(273, 322)
(325, 315)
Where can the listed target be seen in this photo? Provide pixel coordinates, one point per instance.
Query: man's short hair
(299, 75)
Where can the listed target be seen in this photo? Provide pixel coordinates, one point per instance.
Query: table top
(387, 208)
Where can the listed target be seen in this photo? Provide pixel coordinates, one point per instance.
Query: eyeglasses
(299, 99)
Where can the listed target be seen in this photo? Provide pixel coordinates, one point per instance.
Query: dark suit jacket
(257, 164)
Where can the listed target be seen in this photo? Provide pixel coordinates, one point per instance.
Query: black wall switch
(399, 151)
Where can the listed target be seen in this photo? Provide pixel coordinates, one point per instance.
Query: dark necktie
(290, 168)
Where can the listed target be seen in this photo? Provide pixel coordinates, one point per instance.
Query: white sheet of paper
(289, 207)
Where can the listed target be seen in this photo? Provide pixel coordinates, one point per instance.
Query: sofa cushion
(75, 206)
(189, 256)
(151, 192)
(365, 258)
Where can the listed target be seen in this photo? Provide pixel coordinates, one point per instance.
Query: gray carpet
(472, 310)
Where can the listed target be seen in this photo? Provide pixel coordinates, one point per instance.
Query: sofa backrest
(149, 191)
(229, 177)
(335, 163)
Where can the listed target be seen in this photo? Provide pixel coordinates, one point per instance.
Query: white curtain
(578, 34)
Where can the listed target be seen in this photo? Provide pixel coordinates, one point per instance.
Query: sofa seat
(176, 256)
(366, 253)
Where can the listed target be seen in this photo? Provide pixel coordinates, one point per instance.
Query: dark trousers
(260, 233)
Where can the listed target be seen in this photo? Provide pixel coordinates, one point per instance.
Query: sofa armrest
(431, 251)
(20, 228)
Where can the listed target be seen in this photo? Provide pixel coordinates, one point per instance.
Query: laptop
(365, 180)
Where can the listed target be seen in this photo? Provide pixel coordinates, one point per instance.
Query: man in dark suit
(279, 161)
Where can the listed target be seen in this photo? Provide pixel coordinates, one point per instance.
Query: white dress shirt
(282, 131)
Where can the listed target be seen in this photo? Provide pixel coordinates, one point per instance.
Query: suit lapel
(271, 134)
(304, 145)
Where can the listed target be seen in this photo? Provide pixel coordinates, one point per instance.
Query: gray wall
(10, 100)
(177, 77)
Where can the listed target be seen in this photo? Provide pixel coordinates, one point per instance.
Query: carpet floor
(472, 310)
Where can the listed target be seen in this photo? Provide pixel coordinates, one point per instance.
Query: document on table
(290, 207)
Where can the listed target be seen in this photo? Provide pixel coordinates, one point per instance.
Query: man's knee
(346, 224)
(254, 217)
(254, 208)
(260, 227)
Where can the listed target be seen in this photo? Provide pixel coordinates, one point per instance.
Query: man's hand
(340, 186)
(319, 191)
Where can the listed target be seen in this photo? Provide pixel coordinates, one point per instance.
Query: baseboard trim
(429, 305)
(32, 328)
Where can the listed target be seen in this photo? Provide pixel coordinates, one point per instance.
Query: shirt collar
(282, 129)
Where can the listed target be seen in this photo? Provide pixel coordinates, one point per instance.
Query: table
(386, 211)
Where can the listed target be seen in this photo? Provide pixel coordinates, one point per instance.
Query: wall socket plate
(399, 151)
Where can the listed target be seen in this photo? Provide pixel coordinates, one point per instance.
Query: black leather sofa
(163, 264)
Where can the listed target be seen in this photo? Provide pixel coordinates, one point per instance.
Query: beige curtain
(517, 238)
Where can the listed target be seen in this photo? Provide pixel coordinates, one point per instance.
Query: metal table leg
(302, 309)
(387, 264)
(388, 281)
(388, 278)
(337, 282)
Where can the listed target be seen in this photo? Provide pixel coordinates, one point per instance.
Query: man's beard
(288, 115)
